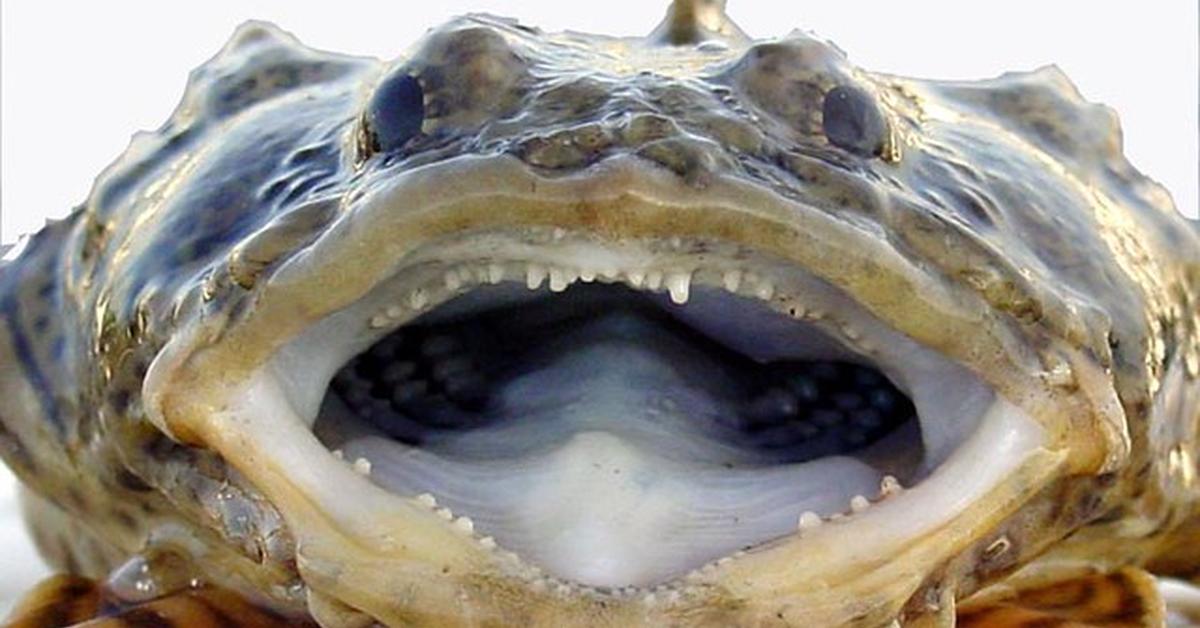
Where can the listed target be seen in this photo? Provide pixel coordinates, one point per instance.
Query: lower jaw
(400, 559)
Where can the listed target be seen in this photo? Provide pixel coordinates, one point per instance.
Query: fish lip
(207, 410)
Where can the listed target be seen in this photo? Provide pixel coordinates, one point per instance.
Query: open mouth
(622, 415)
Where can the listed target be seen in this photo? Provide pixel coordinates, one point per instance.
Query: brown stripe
(57, 601)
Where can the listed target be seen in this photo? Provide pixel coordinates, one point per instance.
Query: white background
(79, 78)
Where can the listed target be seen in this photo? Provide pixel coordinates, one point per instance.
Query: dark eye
(395, 112)
(853, 122)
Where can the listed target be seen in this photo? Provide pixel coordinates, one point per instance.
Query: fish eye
(395, 112)
(853, 122)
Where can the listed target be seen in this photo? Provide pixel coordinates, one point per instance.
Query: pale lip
(358, 542)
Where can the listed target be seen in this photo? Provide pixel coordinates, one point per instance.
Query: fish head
(567, 329)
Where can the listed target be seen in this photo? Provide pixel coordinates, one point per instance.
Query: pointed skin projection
(166, 351)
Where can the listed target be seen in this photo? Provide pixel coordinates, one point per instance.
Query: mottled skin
(999, 224)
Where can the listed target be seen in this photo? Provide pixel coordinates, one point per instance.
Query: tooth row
(665, 593)
(677, 283)
(889, 487)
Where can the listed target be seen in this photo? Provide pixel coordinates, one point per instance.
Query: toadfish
(553, 329)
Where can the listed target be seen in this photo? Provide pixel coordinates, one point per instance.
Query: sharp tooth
(394, 311)
(858, 503)
(733, 280)
(495, 273)
(464, 525)
(560, 279)
(379, 321)
(610, 273)
(535, 276)
(587, 275)
(362, 466)
(488, 543)
(889, 486)
(766, 290)
(444, 513)
(654, 280)
(337, 453)
(418, 299)
(809, 520)
(679, 285)
(559, 233)
(453, 281)
(427, 500)
(636, 278)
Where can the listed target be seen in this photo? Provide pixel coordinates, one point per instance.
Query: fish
(556, 329)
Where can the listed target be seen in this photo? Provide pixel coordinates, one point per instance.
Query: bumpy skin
(1011, 194)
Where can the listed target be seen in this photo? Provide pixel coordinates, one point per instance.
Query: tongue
(608, 464)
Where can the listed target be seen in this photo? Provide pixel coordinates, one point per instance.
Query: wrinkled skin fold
(745, 214)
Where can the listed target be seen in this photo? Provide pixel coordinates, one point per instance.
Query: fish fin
(59, 600)
(1126, 598)
(690, 22)
(63, 601)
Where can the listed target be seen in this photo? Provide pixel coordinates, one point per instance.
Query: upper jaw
(362, 545)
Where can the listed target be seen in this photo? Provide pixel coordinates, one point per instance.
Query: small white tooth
(654, 280)
(766, 290)
(337, 453)
(427, 500)
(444, 513)
(676, 242)
(453, 281)
(559, 233)
(560, 279)
(379, 321)
(858, 503)
(418, 299)
(495, 273)
(649, 599)
(362, 466)
(636, 278)
(587, 275)
(679, 285)
(540, 585)
(850, 332)
(610, 273)
(563, 589)
(464, 525)
(394, 311)
(733, 280)
(535, 276)
(889, 486)
(809, 520)
(488, 543)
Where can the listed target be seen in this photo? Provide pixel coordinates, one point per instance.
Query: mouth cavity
(620, 415)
